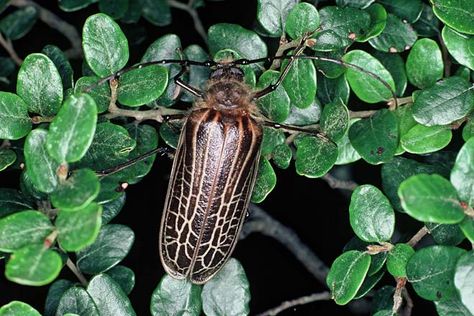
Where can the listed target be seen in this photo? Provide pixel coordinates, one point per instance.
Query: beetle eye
(237, 72)
(218, 73)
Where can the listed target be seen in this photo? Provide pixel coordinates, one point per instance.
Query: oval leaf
(462, 174)
(303, 18)
(457, 14)
(424, 63)
(398, 258)
(109, 297)
(272, 14)
(315, 156)
(275, 105)
(14, 120)
(300, 82)
(459, 46)
(77, 300)
(422, 139)
(265, 182)
(124, 277)
(335, 120)
(397, 36)
(464, 279)
(17, 308)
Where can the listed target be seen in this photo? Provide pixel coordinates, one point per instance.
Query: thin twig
(397, 296)
(284, 46)
(409, 303)
(76, 272)
(7, 44)
(335, 183)
(361, 114)
(55, 22)
(324, 296)
(400, 101)
(194, 15)
(418, 236)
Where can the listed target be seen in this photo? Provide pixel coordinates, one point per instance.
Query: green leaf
(176, 297)
(62, 64)
(281, 156)
(431, 271)
(17, 24)
(157, 12)
(113, 8)
(41, 168)
(367, 88)
(105, 46)
(33, 265)
(405, 123)
(303, 18)
(459, 46)
(462, 174)
(17, 308)
(227, 293)
(245, 42)
(409, 10)
(72, 130)
(110, 146)
(272, 15)
(398, 258)
(74, 5)
(375, 138)
(23, 228)
(428, 24)
(451, 307)
(100, 93)
(110, 247)
(276, 105)
(422, 139)
(315, 156)
(347, 274)
(396, 37)
(464, 279)
(371, 215)
(424, 63)
(7, 158)
(430, 198)
(39, 85)
(343, 25)
(77, 191)
(378, 20)
(369, 283)
(396, 66)
(330, 69)
(109, 297)
(271, 138)
(12, 201)
(198, 76)
(383, 299)
(124, 277)
(307, 116)
(445, 102)
(111, 208)
(79, 229)
(134, 12)
(142, 85)
(377, 261)
(335, 120)
(467, 227)
(300, 83)
(360, 4)
(265, 182)
(77, 300)
(346, 152)
(332, 90)
(446, 234)
(14, 120)
(55, 292)
(456, 14)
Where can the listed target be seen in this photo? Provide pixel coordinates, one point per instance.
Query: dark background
(317, 213)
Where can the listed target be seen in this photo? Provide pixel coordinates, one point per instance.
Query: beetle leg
(177, 79)
(313, 131)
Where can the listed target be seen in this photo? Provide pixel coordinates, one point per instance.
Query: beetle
(215, 166)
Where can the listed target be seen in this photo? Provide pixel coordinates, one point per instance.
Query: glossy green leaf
(72, 130)
(110, 189)
(79, 229)
(77, 300)
(367, 88)
(74, 5)
(62, 64)
(307, 116)
(100, 93)
(41, 168)
(157, 12)
(462, 174)
(109, 297)
(377, 261)
(169, 132)
(113, 8)
(142, 85)
(176, 297)
(110, 247)
(456, 14)
(332, 90)
(395, 64)
(375, 138)
(282, 155)
(227, 293)
(330, 69)
(346, 152)
(451, 307)
(335, 120)
(271, 138)
(265, 182)
(422, 139)
(431, 271)
(105, 46)
(23, 228)
(371, 215)
(112, 208)
(398, 258)
(17, 308)
(77, 191)
(446, 234)
(430, 198)
(424, 63)
(111, 145)
(383, 299)
(198, 76)
(347, 274)
(33, 265)
(315, 156)
(459, 46)
(445, 102)
(276, 105)
(55, 292)
(12, 201)
(369, 283)
(468, 130)
(18, 23)
(124, 277)
(396, 37)
(378, 20)
(272, 15)
(464, 279)
(300, 83)
(409, 10)
(39, 85)
(7, 158)
(361, 4)
(405, 123)
(428, 24)
(14, 120)
(302, 19)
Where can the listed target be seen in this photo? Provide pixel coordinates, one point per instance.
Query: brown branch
(397, 296)
(76, 272)
(55, 22)
(194, 15)
(335, 183)
(284, 46)
(8, 46)
(409, 303)
(324, 296)
(361, 114)
(418, 236)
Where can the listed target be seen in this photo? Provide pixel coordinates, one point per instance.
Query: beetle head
(227, 71)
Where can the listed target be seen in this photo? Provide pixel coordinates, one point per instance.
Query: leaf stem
(400, 101)
(41, 119)
(77, 272)
(323, 296)
(335, 183)
(194, 15)
(8, 46)
(418, 236)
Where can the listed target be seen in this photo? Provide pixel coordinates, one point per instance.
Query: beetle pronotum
(215, 166)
